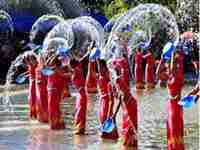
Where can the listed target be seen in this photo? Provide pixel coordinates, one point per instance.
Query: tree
(115, 7)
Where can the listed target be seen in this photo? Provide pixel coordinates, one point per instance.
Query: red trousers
(91, 79)
(105, 103)
(55, 91)
(81, 110)
(104, 107)
(41, 93)
(149, 77)
(129, 122)
(175, 126)
(139, 76)
(32, 94)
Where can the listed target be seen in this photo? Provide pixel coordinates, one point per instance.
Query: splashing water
(55, 44)
(16, 69)
(108, 26)
(3, 4)
(6, 100)
(141, 23)
(42, 26)
(61, 30)
(36, 7)
(137, 26)
(4, 13)
(25, 12)
(6, 26)
(96, 24)
(79, 33)
(85, 32)
(66, 8)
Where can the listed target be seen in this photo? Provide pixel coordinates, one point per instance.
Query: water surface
(19, 133)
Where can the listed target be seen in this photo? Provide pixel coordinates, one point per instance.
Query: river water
(19, 133)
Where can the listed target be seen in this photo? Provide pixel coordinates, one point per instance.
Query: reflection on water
(19, 133)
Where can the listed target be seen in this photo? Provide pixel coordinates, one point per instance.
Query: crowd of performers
(46, 92)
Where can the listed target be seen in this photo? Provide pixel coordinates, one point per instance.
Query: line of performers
(46, 93)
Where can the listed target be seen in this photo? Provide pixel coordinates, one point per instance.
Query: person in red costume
(149, 74)
(124, 65)
(31, 62)
(174, 75)
(81, 102)
(41, 93)
(138, 71)
(55, 87)
(129, 109)
(91, 79)
(106, 98)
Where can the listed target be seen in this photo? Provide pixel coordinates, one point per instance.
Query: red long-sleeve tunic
(138, 71)
(32, 93)
(175, 124)
(41, 93)
(106, 103)
(149, 74)
(129, 122)
(81, 102)
(55, 90)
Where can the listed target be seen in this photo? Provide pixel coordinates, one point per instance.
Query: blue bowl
(187, 101)
(20, 79)
(63, 51)
(168, 50)
(108, 126)
(47, 71)
(95, 53)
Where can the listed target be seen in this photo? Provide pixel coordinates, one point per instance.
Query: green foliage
(115, 7)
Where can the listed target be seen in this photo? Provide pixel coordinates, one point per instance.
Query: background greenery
(113, 7)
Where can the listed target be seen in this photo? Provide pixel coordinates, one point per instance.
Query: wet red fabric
(32, 93)
(41, 93)
(125, 69)
(149, 73)
(138, 70)
(122, 64)
(81, 102)
(129, 121)
(91, 79)
(55, 90)
(65, 74)
(106, 103)
(175, 125)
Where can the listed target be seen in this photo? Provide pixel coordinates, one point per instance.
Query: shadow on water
(19, 133)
